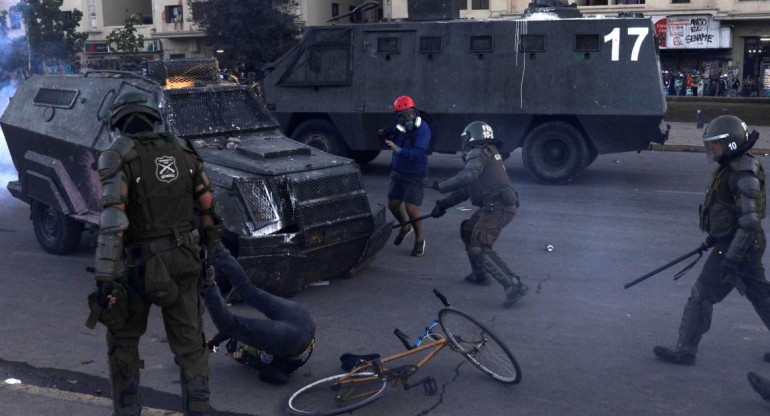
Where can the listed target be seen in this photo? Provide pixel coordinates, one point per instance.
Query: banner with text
(696, 32)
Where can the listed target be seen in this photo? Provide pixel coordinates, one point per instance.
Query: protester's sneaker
(514, 294)
(674, 355)
(405, 231)
(480, 279)
(419, 248)
(760, 385)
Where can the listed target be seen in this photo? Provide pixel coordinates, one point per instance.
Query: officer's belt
(187, 238)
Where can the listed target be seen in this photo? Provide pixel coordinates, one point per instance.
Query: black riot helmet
(733, 136)
(134, 112)
(477, 134)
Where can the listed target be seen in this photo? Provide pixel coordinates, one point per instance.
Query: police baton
(411, 221)
(682, 258)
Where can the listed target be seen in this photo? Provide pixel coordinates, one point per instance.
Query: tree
(50, 34)
(126, 39)
(247, 32)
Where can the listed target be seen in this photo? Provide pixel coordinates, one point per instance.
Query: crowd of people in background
(693, 83)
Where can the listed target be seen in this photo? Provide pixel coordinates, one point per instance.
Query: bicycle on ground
(369, 380)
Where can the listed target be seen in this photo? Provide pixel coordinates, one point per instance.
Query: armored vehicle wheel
(363, 157)
(55, 232)
(555, 152)
(322, 135)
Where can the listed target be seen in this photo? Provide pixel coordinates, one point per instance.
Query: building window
(480, 4)
(463, 4)
(679, 1)
(66, 16)
(335, 9)
(15, 19)
(355, 17)
(532, 43)
(176, 56)
(430, 44)
(200, 9)
(173, 14)
(387, 45)
(481, 44)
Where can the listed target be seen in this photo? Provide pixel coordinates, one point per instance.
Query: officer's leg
(477, 271)
(124, 361)
(184, 328)
(696, 318)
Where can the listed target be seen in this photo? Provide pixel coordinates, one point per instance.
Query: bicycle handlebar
(441, 297)
(403, 338)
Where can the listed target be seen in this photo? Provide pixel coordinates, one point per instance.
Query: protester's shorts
(407, 188)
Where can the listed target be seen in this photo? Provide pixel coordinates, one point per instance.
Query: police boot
(124, 377)
(477, 275)
(760, 385)
(514, 292)
(696, 321)
(195, 394)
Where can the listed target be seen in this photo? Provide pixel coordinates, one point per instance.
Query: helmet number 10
(732, 145)
(614, 37)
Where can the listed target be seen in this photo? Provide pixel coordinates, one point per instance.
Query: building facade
(714, 37)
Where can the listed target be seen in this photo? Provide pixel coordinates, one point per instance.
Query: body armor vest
(493, 184)
(160, 188)
(720, 211)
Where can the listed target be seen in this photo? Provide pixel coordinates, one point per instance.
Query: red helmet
(402, 103)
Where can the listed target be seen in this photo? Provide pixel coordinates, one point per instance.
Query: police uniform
(155, 177)
(731, 215)
(485, 181)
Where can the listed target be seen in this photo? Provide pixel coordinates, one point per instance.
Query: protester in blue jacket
(409, 140)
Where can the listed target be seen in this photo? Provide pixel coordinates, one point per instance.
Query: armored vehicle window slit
(588, 43)
(532, 43)
(324, 60)
(52, 97)
(481, 44)
(430, 44)
(387, 45)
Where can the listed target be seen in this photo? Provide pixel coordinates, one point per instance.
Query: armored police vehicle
(291, 213)
(563, 87)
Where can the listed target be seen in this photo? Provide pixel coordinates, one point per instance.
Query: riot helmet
(477, 134)
(726, 137)
(134, 112)
(406, 114)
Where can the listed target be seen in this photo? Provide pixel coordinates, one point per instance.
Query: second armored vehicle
(564, 89)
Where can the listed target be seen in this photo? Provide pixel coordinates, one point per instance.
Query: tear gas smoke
(7, 171)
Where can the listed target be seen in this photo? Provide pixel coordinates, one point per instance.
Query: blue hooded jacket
(413, 157)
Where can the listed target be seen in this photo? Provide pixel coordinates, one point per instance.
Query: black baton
(411, 221)
(682, 258)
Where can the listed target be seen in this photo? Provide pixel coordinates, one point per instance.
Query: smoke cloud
(7, 171)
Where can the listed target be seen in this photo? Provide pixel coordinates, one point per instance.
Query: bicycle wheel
(480, 346)
(336, 394)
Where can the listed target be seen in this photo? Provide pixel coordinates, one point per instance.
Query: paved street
(583, 342)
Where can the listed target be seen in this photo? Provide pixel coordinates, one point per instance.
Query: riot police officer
(150, 182)
(485, 181)
(731, 215)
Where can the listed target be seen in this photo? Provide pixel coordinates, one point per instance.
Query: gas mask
(408, 120)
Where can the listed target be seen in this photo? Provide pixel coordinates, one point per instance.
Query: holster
(113, 317)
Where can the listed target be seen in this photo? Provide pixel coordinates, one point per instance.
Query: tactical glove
(438, 211)
(385, 133)
(728, 271)
(103, 290)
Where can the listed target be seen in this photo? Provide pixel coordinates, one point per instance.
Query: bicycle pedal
(428, 384)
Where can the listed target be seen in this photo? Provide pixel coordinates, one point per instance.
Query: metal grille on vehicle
(184, 72)
(328, 212)
(259, 200)
(329, 185)
(204, 111)
(54, 97)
